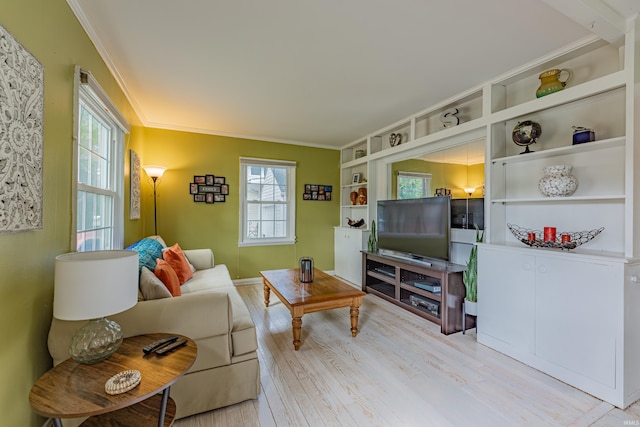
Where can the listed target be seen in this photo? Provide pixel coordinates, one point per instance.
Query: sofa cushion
(176, 259)
(148, 251)
(151, 286)
(167, 274)
(215, 278)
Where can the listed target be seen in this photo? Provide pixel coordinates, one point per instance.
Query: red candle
(531, 236)
(549, 234)
(566, 237)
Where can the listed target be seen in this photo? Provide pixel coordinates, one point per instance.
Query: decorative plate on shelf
(534, 238)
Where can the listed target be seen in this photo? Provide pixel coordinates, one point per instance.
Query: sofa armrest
(201, 259)
(197, 316)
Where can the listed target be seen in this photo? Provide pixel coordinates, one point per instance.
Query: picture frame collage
(209, 189)
(317, 192)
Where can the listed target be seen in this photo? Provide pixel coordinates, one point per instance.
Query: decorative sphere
(526, 133)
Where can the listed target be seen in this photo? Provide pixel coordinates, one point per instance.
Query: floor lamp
(154, 172)
(469, 191)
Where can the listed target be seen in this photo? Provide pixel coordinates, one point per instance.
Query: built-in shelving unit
(535, 304)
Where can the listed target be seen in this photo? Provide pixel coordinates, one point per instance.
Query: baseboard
(258, 280)
(251, 281)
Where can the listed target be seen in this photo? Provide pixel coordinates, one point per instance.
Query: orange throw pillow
(176, 259)
(167, 274)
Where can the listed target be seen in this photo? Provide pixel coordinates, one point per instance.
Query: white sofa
(212, 313)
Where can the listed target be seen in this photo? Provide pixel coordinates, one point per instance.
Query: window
(267, 197)
(99, 165)
(413, 185)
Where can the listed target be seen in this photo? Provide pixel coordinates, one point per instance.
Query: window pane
(94, 150)
(94, 134)
(94, 221)
(412, 187)
(253, 192)
(280, 212)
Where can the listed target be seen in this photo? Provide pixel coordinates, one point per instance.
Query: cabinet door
(348, 259)
(578, 305)
(506, 300)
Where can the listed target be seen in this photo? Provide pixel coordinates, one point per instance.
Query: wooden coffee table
(73, 390)
(324, 293)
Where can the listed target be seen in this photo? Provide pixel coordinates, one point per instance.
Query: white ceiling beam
(596, 15)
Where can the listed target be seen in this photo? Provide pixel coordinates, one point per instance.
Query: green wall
(50, 31)
(199, 225)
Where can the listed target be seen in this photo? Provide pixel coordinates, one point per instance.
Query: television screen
(417, 227)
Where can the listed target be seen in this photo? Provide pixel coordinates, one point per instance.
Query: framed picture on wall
(218, 180)
(208, 179)
(193, 188)
(209, 197)
(198, 198)
(224, 189)
(218, 197)
(199, 179)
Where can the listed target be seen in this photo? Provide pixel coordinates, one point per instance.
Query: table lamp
(90, 286)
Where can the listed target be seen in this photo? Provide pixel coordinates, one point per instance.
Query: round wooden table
(72, 389)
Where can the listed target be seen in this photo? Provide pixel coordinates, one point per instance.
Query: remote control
(171, 347)
(158, 344)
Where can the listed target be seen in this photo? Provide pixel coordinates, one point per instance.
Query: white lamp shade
(90, 285)
(154, 171)
(469, 190)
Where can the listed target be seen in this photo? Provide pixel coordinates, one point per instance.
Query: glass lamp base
(95, 341)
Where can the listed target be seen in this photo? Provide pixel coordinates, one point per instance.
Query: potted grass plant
(470, 277)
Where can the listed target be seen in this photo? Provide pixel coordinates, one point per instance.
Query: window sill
(267, 242)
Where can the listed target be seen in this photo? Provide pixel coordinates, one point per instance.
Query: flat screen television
(417, 228)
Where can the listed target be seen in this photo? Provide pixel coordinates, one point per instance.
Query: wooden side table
(73, 390)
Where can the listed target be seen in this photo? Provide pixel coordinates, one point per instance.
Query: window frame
(426, 177)
(89, 94)
(290, 238)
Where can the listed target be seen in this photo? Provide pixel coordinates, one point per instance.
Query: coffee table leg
(354, 321)
(267, 294)
(296, 323)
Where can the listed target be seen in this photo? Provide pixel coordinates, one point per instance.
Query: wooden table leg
(355, 304)
(267, 294)
(296, 324)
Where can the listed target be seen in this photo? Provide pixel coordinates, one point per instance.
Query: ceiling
(321, 73)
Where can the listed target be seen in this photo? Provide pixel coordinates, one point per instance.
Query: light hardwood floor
(398, 371)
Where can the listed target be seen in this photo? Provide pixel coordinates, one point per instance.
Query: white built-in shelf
(569, 149)
(354, 206)
(570, 94)
(570, 199)
(360, 184)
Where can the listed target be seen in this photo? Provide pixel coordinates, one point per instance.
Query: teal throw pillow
(148, 251)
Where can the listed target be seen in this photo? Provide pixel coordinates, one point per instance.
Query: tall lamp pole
(469, 191)
(154, 172)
